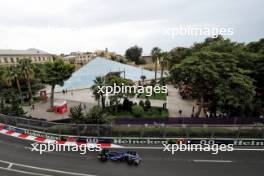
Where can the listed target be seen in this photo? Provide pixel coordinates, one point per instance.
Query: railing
(190, 120)
(150, 130)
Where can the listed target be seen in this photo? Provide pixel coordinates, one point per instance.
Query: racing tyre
(103, 158)
(130, 162)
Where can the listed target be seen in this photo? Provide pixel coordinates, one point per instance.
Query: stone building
(78, 58)
(11, 57)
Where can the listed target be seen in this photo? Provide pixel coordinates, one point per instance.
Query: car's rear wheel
(103, 158)
(129, 162)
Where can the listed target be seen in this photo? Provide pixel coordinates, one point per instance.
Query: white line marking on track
(9, 166)
(213, 161)
(40, 169)
(24, 172)
(248, 149)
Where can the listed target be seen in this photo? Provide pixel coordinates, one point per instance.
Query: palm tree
(27, 69)
(156, 53)
(7, 77)
(16, 77)
(12, 74)
(164, 60)
(99, 82)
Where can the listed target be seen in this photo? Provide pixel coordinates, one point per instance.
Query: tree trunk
(2, 104)
(156, 68)
(162, 71)
(19, 89)
(29, 88)
(200, 107)
(52, 96)
(103, 101)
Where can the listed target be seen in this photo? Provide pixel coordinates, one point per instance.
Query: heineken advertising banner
(153, 141)
(43, 135)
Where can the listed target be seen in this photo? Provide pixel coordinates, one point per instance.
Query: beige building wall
(11, 57)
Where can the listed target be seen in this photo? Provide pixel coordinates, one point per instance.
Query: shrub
(140, 62)
(127, 105)
(95, 115)
(147, 104)
(141, 103)
(76, 114)
(137, 110)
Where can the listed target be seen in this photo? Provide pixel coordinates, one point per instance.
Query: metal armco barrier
(142, 131)
(137, 141)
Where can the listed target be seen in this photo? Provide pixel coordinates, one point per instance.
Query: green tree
(12, 74)
(165, 56)
(216, 78)
(55, 73)
(9, 98)
(95, 116)
(156, 53)
(99, 83)
(134, 54)
(178, 54)
(115, 99)
(27, 70)
(256, 47)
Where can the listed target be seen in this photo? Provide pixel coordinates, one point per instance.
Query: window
(5, 59)
(12, 59)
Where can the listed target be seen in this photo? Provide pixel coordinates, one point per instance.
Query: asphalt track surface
(16, 159)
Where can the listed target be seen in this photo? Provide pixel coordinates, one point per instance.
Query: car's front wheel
(103, 158)
(136, 162)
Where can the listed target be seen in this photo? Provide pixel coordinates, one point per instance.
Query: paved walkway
(176, 103)
(85, 96)
(81, 95)
(40, 110)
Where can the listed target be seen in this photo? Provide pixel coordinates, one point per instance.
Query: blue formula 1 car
(132, 158)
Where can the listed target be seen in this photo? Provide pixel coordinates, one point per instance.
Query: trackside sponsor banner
(139, 141)
(42, 135)
(249, 142)
(242, 142)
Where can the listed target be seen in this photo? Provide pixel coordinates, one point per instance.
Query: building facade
(78, 58)
(11, 57)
